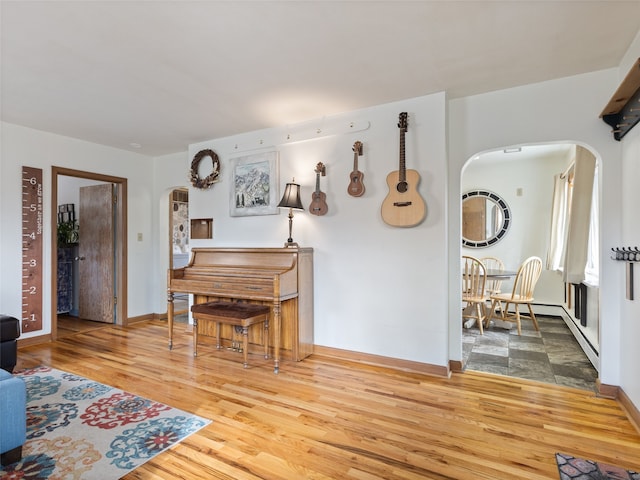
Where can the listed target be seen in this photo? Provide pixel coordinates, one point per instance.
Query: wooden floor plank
(326, 418)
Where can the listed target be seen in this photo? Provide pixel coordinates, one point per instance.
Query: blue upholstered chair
(13, 417)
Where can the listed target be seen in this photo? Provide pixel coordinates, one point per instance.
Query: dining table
(495, 274)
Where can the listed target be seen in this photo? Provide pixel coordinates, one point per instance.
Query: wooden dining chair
(473, 290)
(493, 286)
(522, 293)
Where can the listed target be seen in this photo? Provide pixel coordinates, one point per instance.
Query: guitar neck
(402, 169)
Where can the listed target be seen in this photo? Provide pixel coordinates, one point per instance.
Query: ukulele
(319, 199)
(356, 187)
(403, 206)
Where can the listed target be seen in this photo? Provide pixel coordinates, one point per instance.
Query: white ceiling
(171, 73)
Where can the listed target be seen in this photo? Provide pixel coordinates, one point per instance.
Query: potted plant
(67, 233)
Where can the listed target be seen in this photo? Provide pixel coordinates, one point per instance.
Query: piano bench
(232, 313)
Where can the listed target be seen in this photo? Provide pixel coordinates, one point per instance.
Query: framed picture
(254, 185)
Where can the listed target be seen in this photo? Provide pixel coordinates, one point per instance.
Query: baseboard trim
(456, 366)
(143, 318)
(607, 391)
(380, 361)
(618, 394)
(630, 409)
(165, 315)
(25, 342)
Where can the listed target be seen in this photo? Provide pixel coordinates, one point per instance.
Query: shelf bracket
(622, 113)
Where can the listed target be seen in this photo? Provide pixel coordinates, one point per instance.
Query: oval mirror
(485, 218)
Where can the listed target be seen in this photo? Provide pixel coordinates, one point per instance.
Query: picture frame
(254, 185)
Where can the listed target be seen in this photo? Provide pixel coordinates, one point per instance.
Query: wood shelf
(622, 112)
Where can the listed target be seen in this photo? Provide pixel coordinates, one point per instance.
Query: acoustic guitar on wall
(356, 187)
(403, 205)
(319, 199)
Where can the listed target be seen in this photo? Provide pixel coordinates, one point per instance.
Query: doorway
(179, 248)
(524, 178)
(118, 259)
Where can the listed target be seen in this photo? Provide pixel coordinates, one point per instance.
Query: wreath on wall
(196, 180)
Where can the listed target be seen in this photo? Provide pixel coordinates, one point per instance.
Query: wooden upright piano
(279, 277)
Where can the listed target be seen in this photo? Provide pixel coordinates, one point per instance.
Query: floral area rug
(577, 468)
(81, 429)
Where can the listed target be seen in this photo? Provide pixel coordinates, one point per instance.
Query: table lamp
(291, 200)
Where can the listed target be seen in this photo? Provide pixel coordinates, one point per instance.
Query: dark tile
(559, 353)
(559, 337)
(547, 322)
(532, 344)
(486, 359)
(568, 357)
(527, 325)
(467, 348)
(491, 349)
(529, 355)
(525, 333)
(582, 372)
(531, 369)
(525, 339)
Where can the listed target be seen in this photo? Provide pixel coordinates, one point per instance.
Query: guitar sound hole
(402, 187)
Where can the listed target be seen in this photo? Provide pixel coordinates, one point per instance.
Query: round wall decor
(485, 218)
(196, 180)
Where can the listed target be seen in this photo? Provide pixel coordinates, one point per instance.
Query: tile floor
(551, 356)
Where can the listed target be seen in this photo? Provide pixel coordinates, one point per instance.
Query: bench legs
(245, 339)
(195, 336)
(266, 338)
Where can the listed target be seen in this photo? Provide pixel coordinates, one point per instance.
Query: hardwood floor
(69, 325)
(328, 419)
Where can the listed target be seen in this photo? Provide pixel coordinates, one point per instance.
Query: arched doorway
(524, 177)
(179, 248)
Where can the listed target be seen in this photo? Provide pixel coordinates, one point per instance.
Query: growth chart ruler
(32, 246)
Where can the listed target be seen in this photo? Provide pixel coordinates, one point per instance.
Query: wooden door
(474, 217)
(96, 253)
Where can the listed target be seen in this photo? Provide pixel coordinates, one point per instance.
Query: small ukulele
(319, 199)
(356, 187)
(403, 206)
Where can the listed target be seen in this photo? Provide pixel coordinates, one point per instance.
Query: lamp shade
(291, 197)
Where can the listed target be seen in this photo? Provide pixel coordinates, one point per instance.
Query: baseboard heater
(580, 306)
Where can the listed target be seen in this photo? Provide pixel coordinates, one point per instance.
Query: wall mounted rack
(630, 256)
(622, 112)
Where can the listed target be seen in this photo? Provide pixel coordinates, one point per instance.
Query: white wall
(24, 146)
(378, 289)
(563, 110)
(170, 172)
(630, 311)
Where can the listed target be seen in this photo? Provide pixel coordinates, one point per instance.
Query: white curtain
(576, 249)
(592, 271)
(558, 222)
